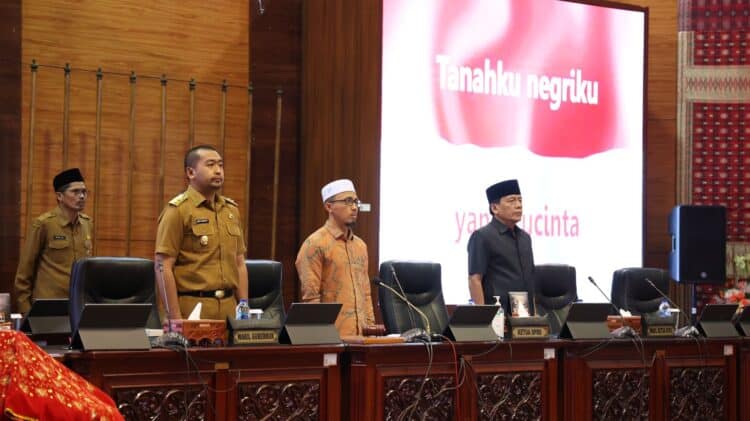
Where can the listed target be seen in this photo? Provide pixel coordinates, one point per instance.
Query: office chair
(120, 280)
(422, 287)
(265, 289)
(555, 290)
(631, 292)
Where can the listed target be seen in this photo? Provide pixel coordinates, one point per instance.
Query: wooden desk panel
(219, 384)
(509, 379)
(744, 380)
(673, 379)
(382, 382)
(512, 380)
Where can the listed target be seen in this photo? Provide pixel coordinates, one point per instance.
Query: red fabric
(714, 15)
(721, 163)
(34, 386)
(721, 48)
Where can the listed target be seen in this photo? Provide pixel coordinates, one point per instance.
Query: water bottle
(243, 310)
(498, 322)
(664, 309)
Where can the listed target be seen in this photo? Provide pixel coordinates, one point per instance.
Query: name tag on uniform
(59, 237)
(200, 221)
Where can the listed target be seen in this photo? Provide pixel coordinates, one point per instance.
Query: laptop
(472, 323)
(743, 322)
(586, 321)
(47, 316)
(311, 323)
(109, 326)
(715, 321)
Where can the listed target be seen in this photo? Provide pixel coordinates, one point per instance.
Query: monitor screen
(548, 92)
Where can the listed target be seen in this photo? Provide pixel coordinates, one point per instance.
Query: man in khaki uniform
(200, 249)
(54, 241)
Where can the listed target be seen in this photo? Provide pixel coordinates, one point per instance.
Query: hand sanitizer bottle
(664, 309)
(498, 322)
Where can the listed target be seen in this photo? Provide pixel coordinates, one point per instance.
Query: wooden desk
(744, 380)
(219, 384)
(674, 379)
(557, 379)
(509, 379)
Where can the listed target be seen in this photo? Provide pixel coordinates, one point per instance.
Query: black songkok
(66, 177)
(496, 192)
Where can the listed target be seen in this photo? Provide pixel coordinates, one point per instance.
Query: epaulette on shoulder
(177, 200)
(46, 215)
(39, 220)
(231, 202)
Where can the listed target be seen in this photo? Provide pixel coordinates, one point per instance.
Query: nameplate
(530, 332)
(660, 330)
(255, 337)
(659, 325)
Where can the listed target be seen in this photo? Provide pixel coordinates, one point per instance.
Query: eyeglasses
(79, 192)
(349, 201)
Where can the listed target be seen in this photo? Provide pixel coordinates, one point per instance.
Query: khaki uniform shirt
(52, 245)
(204, 238)
(332, 267)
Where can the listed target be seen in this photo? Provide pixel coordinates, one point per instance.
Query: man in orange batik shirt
(332, 262)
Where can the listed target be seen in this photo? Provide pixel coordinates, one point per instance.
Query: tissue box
(613, 322)
(206, 333)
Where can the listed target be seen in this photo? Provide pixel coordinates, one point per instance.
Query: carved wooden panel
(167, 403)
(506, 396)
(279, 401)
(697, 393)
(620, 394)
(406, 398)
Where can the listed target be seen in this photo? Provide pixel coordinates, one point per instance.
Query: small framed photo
(519, 303)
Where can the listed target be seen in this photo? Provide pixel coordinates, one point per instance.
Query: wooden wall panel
(661, 124)
(276, 58)
(341, 109)
(10, 139)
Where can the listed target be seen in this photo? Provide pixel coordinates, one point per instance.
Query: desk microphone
(169, 339)
(403, 294)
(687, 331)
(415, 333)
(620, 332)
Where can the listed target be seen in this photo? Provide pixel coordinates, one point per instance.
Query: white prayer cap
(335, 187)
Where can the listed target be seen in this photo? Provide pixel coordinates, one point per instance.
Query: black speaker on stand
(699, 246)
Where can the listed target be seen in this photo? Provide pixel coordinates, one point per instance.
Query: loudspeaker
(699, 237)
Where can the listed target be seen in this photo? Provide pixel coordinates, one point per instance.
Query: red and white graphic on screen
(566, 42)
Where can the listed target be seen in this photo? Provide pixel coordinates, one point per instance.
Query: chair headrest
(114, 278)
(554, 280)
(264, 275)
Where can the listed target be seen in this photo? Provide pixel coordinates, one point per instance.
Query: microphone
(169, 338)
(414, 333)
(620, 332)
(687, 331)
(403, 293)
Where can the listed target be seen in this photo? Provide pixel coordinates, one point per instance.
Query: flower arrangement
(737, 290)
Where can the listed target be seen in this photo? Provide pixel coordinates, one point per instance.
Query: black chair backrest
(631, 291)
(120, 280)
(265, 292)
(422, 286)
(554, 290)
